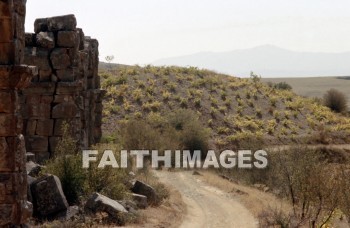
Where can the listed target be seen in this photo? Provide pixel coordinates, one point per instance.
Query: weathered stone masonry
(63, 86)
(14, 208)
(66, 88)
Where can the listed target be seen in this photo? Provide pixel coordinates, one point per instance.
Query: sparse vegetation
(335, 100)
(187, 108)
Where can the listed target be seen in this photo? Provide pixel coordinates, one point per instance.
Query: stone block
(146, 190)
(6, 30)
(66, 22)
(63, 98)
(30, 127)
(44, 127)
(10, 125)
(81, 38)
(45, 40)
(37, 143)
(67, 75)
(12, 156)
(7, 214)
(48, 196)
(64, 110)
(101, 203)
(43, 88)
(60, 58)
(7, 100)
(7, 53)
(30, 39)
(67, 39)
(36, 111)
(58, 131)
(6, 156)
(37, 57)
(46, 99)
(69, 87)
(45, 75)
(5, 10)
(40, 25)
(32, 99)
(16, 76)
(20, 7)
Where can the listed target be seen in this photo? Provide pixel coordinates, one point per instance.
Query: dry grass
(314, 87)
(253, 199)
(169, 214)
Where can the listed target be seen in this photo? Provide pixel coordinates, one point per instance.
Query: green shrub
(283, 86)
(78, 183)
(335, 100)
(66, 165)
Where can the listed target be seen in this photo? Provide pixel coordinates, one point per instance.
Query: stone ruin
(60, 85)
(14, 208)
(67, 88)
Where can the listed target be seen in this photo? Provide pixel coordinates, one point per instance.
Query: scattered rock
(33, 169)
(101, 203)
(140, 200)
(128, 205)
(70, 213)
(228, 178)
(132, 174)
(196, 173)
(237, 191)
(146, 190)
(48, 196)
(262, 187)
(30, 157)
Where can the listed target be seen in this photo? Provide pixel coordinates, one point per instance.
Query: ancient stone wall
(14, 208)
(67, 88)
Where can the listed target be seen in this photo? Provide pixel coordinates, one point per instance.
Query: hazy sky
(141, 31)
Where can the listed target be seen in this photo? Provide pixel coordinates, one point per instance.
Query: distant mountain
(268, 61)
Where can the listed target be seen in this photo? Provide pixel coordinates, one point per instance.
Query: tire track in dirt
(207, 206)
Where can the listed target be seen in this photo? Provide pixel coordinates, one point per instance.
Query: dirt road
(207, 206)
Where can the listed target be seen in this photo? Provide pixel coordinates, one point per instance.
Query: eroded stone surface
(14, 208)
(67, 88)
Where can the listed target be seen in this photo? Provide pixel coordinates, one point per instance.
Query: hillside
(315, 86)
(268, 61)
(236, 110)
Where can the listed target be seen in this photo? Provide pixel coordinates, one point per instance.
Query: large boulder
(140, 200)
(101, 203)
(30, 181)
(48, 196)
(146, 190)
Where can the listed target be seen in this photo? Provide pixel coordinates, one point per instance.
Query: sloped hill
(235, 109)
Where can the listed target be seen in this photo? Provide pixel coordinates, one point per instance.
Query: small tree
(109, 59)
(255, 77)
(335, 100)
